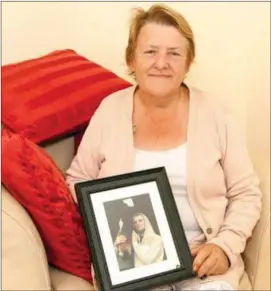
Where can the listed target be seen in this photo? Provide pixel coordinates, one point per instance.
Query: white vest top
(174, 161)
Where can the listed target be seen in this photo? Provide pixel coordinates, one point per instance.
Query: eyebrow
(173, 48)
(170, 48)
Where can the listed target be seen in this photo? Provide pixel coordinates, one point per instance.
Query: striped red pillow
(54, 95)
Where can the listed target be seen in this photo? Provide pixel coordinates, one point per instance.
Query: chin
(160, 91)
(158, 88)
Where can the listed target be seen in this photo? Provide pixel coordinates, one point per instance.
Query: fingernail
(195, 267)
(203, 277)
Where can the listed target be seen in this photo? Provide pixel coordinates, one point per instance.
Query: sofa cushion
(257, 253)
(62, 152)
(24, 261)
(33, 178)
(54, 95)
(62, 281)
(245, 283)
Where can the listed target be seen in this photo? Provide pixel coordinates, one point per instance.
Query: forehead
(162, 36)
(137, 218)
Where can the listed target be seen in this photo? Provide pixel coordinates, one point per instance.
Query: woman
(163, 122)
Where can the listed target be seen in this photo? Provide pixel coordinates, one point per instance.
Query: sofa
(24, 262)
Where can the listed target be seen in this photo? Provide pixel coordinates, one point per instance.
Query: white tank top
(174, 161)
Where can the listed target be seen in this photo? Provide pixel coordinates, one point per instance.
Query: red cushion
(33, 178)
(54, 95)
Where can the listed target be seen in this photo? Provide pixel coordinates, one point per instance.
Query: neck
(140, 232)
(154, 103)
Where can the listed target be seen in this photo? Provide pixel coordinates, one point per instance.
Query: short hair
(160, 14)
(137, 214)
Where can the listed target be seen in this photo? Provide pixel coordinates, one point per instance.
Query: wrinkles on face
(160, 58)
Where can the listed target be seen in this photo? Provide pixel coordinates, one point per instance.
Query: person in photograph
(124, 252)
(163, 121)
(148, 246)
(145, 247)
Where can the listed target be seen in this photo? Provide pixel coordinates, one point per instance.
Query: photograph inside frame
(135, 233)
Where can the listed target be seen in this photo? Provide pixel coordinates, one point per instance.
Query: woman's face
(160, 61)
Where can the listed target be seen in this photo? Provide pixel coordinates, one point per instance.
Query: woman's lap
(196, 284)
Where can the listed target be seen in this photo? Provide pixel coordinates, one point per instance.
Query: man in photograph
(146, 247)
(124, 252)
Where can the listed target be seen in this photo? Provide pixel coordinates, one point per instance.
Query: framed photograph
(134, 231)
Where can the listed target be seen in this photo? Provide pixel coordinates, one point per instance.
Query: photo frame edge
(160, 177)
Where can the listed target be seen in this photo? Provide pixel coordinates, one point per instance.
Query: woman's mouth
(160, 76)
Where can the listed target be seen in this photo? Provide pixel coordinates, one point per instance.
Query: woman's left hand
(209, 259)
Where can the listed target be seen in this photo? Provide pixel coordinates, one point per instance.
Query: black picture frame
(88, 190)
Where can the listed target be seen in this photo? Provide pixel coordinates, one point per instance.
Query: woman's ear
(131, 69)
(132, 66)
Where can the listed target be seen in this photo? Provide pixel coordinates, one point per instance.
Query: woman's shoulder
(213, 108)
(117, 100)
(207, 99)
(209, 104)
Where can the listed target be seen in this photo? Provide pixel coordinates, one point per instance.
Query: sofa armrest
(24, 261)
(257, 253)
(62, 281)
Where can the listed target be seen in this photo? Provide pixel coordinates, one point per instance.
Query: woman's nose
(161, 61)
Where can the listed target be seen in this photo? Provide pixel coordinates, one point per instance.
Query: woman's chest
(161, 129)
(160, 134)
(202, 157)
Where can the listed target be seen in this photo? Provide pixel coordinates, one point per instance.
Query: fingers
(209, 259)
(120, 239)
(201, 256)
(212, 271)
(207, 266)
(195, 249)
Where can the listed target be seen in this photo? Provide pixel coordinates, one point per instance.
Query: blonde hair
(159, 14)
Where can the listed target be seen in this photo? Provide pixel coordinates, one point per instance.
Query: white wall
(233, 48)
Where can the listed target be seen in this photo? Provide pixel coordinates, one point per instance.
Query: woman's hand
(209, 259)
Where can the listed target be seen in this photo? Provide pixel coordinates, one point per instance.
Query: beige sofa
(24, 263)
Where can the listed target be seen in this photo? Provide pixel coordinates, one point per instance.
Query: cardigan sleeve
(243, 192)
(87, 162)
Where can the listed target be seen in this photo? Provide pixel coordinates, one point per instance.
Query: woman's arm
(86, 164)
(243, 193)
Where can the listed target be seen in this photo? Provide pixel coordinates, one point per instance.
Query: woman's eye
(150, 52)
(174, 54)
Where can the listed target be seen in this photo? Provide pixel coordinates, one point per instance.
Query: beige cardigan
(222, 187)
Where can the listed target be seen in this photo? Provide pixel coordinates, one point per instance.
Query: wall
(233, 49)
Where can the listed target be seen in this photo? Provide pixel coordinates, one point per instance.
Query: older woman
(163, 122)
